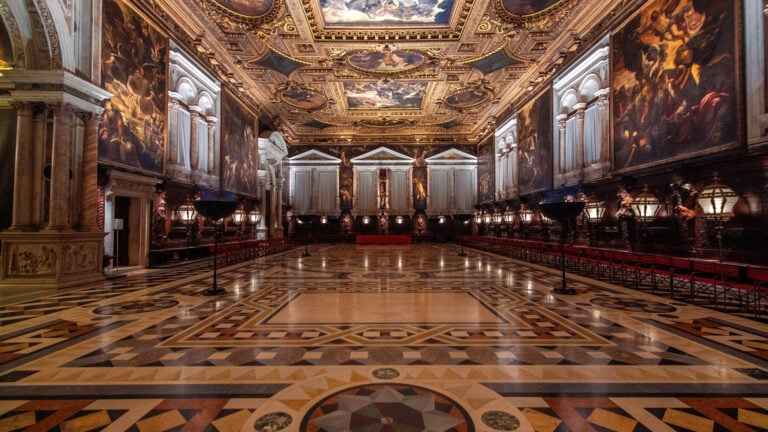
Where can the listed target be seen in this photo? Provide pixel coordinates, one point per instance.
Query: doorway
(122, 230)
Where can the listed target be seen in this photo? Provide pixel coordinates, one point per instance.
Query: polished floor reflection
(375, 338)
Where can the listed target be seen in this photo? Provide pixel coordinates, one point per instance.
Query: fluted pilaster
(194, 152)
(23, 167)
(89, 184)
(59, 218)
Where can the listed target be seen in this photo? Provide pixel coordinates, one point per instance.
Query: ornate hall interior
(383, 215)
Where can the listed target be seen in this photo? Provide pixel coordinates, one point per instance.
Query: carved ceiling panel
(329, 72)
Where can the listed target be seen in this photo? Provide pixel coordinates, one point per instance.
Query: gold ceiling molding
(294, 65)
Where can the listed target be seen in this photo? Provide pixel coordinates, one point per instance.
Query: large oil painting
(386, 12)
(765, 51)
(534, 145)
(674, 82)
(380, 95)
(239, 147)
(486, 180)
(6, 54)
(134, 63)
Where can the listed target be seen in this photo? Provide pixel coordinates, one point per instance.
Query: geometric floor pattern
(364, 338)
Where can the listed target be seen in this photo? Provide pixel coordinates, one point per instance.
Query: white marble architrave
(582, 149)
(755, 12)
(506, 160)
(452, 183)
(194, 111)
(368, 190)
(313, 185)
(272, 153)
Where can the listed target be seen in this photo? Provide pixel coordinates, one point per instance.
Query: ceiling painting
(468, 97)
(390, 95)
(386, 60)
(365, 72)
(246, 8)
(527, 7)
(301, 97)
(386, 12)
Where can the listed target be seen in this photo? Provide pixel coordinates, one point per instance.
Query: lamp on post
(306, 220)
(526, 217)
(186, 213)
(645, 207)
(238, 217)
(255, 218)
(463, 219)
(593, 211)
(509, 221)
(716, 202)
(215, 211)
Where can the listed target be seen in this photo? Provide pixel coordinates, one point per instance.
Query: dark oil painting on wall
(419, 187)
(534, 145)
(6, 55)
(239, 147)
(134, 59)
(674, 82)
(486, 180)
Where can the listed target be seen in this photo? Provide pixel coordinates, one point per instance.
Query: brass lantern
(646, 205)
(717, 201)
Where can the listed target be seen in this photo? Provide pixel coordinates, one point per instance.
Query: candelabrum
(563, 212)
(215, 211)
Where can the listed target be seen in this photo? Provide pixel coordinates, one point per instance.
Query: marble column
(89, 185)
(579, 162)
(59, 216)
(605, 126)
(561, 125)
(23, 167)
(39, 181)
(193, 141)
(212, 121)
(173, 140)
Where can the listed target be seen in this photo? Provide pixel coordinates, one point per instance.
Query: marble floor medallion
(387, 407)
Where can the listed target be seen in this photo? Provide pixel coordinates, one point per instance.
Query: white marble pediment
(313, 157)
(382, 156)
(452, 157)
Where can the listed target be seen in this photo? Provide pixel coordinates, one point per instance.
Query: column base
(51, 259)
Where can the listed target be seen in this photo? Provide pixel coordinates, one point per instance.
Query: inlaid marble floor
(376, 338)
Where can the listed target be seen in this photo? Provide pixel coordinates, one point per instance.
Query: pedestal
(51, 259)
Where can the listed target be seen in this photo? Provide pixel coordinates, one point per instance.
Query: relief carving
(31, 260)
(78, 257)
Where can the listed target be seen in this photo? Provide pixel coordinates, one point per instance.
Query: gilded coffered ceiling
(336, 72)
